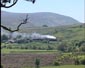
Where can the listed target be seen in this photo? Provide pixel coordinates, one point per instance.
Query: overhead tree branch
(14, 2)
(18, 27)
(3, 3)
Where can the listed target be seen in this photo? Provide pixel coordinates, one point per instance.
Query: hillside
(65, 51)
(36, 19)
(67, 35)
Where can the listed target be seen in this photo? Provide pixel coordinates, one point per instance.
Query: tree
(1, 66)
(3, 3)
(62, 47)
(45, 26)
(8, 29)
(50, 47)
(82, 48)
(83, 61)
(37, 62)
(77, 61)
(4, 38)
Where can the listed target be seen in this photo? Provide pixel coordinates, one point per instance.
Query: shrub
(83, 61)
(1, 66)
(62, 47)
(77, 62)
(56, 63)
(45, 26)
(37, 63)
(82, 48)
(4, 38)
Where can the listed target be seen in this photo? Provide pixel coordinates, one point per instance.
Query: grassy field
(68, 36)
(7, 51)
(63, 66)
(66, 66)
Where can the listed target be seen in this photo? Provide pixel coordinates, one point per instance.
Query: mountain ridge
(37, 19)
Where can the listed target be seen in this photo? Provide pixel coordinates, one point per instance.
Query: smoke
(3, 32)
(19, 35)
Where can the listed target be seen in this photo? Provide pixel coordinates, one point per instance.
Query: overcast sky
(72, 8)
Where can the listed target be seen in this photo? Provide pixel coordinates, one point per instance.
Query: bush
(45, 26)
(37, 63)
(77, 62)
(82, 48)
(4, 38)
(56, 63)
(1, 66)
(83, 61)
(62, 47)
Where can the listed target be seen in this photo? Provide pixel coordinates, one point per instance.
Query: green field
(70, 45)
(62, 66)
(70, 36)
(66, 66)
(7, 51)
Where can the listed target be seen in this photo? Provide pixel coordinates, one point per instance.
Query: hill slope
(36, 19)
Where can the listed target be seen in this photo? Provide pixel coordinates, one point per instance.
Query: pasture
(64, 49)
(62, 66)
(7, 51)
(66, 66)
